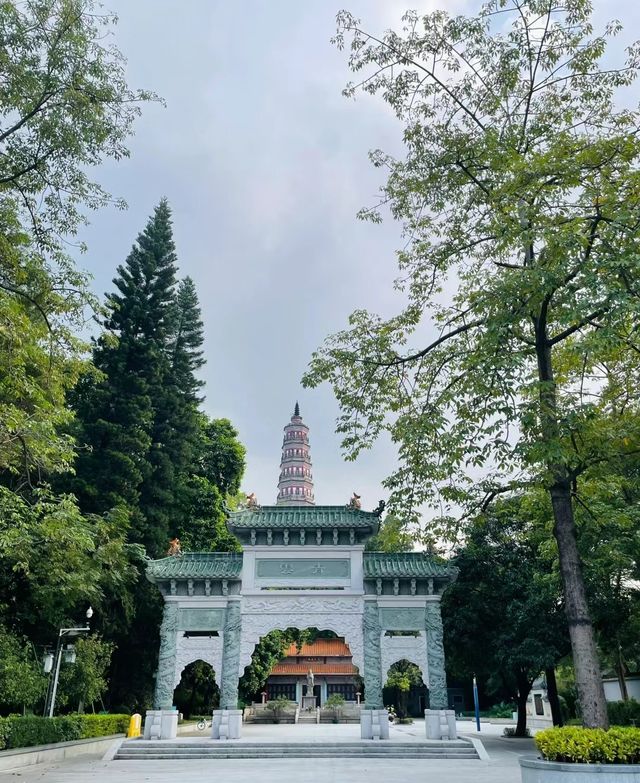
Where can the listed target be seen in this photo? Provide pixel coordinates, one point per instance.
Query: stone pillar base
(374, 724)
(161, 724)
(440, 724)
(226, 724)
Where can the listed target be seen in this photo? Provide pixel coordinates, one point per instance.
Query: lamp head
(89, 613)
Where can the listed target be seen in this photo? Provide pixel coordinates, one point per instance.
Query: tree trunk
(593, 706)
(620, 672)
(552, 694)
(583, 645)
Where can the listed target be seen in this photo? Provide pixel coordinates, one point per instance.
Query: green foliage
(402, 676)
(216, 468)
(57, 560)
(393, 536)
(502, 617)
(277, 707)
(22, 683)
(335, 701)
(65, 106)
(197, 692)
(624, 713)
(85, 681)
(269, 650)
(39, 306)
(30, 730)
(590, 746)
(502, 710)
(127, 427)
(518, 195)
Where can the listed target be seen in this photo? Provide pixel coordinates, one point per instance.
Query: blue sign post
(476, 704)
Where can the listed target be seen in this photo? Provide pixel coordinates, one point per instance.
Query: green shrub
(590, 746)
(24, 732)
(624, 713)
(103, 725)
(502, 710)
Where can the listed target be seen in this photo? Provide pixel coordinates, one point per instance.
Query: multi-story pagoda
(295, 485)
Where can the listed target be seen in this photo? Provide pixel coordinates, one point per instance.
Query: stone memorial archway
(301, 566)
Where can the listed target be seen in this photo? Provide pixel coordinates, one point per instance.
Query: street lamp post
(53, 662)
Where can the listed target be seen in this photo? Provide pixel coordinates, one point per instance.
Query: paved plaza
(502, 766)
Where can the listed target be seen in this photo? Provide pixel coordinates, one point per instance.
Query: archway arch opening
(197, 693)
(280, 666)
(405, 690)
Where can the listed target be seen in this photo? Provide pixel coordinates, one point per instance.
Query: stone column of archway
(230, 655)
(438, 699)
(372, 632)
(163, 696)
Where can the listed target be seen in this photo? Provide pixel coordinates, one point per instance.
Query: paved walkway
(501, 768)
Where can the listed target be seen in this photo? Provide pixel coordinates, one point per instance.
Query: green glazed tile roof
(414, 564)
(203, 565)
(302, 517)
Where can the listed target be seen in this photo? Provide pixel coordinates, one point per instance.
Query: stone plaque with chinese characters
(200, 619)
(402, 619)
(299, 568)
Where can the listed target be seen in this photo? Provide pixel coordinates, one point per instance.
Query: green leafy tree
(216, 469)
(85, 681)
(221, 455)
(65, 106)
(40, 308)
(402, 676)
(393, 536)
(197, 692)
(57, 561)
(503, 618)
(22, 683)
(124, 460)
(518, 194)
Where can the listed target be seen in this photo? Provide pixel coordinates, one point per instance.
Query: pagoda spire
(295, 485)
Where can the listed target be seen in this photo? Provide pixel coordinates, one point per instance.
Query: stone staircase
(146, 750)
(308, 716)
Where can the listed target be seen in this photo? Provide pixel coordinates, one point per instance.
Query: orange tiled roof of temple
(317, 668)
(320, 648)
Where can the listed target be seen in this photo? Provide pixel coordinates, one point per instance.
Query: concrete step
(203, 749)
(201, 756)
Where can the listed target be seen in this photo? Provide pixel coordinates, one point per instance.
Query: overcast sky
(265, 165)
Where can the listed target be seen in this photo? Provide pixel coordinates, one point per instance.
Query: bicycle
(202, 724)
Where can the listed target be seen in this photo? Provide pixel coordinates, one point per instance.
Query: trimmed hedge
(624, 713)
(25, 731)
(619, 745)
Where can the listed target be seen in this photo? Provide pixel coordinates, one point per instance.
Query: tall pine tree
(124, 462)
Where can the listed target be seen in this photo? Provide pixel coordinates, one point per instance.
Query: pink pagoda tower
(295, 486)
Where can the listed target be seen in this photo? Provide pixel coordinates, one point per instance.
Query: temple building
(330, 661)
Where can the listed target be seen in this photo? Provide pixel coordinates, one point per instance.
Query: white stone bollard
(161, 724)
(374, 724)
(226, 724)
(440, 724)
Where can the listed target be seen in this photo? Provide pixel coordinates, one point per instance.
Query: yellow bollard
(134, 725)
